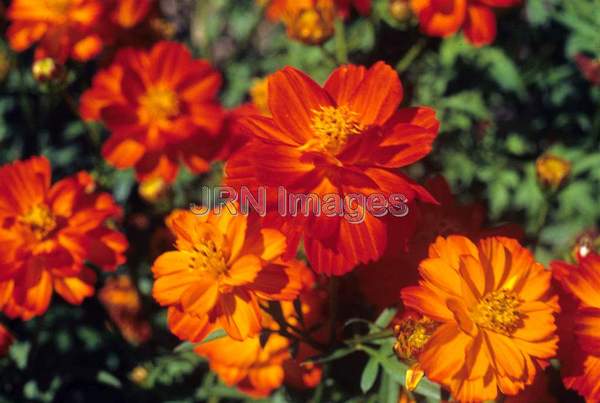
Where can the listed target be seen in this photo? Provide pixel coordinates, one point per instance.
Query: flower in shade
(6, 340)
(161, 108)
(258, 369)
(346, 138)
(589, 67)
(381, 282)
(77, 29)
(312, 21)
(48, 232)
(579, 324)
(494, 310)
(223, 264)
(552, 170)
(124, 306)
(446, 17)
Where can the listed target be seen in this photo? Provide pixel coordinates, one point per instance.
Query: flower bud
(552, 171)
(47, 69)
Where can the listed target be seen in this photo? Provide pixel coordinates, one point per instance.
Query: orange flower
(382, 281)
(160, 107)
(122, 301)
(345, 138)
(77, 29)
(6, 340)
(277, 8)
(580, 355)
(223, 263)
(257, 370)
(552, 170)
(495, 314)
(47, 233)
(445, 17)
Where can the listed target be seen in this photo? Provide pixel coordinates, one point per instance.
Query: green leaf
(109, 379)
(369, 375)
(336, 355)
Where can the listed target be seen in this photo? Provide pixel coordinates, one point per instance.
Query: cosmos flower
(77, 29)
(446, 17)
(161, 108)
(381, 282)
(258, 369)
(494, 313)
(580, 355)
(48, 232)
(223, 264)
(345, 138)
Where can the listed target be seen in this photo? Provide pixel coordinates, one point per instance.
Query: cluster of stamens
(498, 311)
(208, 259)
(333, 126)
(40, 220)
(411, 336)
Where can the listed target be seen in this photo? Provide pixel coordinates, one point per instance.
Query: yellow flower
(399, 10)
(552, 170)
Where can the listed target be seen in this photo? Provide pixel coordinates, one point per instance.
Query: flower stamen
(208, 259)
(333, 126)
(40, 220)
(498, 311)
(411, 336)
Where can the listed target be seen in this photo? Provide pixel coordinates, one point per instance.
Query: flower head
(495, 316)
(48, 232)
(580, 355)
(552, 171)
(446, 17)
(223, 264)
(345, 138)
(160, 107)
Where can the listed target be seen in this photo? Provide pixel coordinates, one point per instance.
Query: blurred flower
(153, 189)
(590, 68)
(381, 282)
(552, 171)
(277, 8)
(585, 244)
(122, 302)
(259, 92)
(475, 17)
(139, 375)
(312, 25)
(47, 69)
(47, 232)
(579, 324)
(6, 340)
(161, 107)
(495, 310)
(77, 29)
(347, 137)
(223, 264)
(400, 10)
(257, 370)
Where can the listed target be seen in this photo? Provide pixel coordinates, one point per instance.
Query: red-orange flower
(257, 370)
(124, 306)
(160, 107)
(446, 17)
(278, 8)
(47, 232)
(381, 282)
(494, 310)
(223, 264)
(580, 353)
(77, 29)
(6, 340)
(346, 138)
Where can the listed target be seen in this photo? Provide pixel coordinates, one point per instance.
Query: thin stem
(341, 48)
(410, 55)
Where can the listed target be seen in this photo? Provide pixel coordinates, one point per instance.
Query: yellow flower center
(311, 25)
(159, 104)
(208, 259)
(411, 336)
(40, 220)
(498, 311)
(334, 126)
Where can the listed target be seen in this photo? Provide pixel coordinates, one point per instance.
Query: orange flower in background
(47, 232)
(161, 108)
(6, 340)
(122, 301)
(77, 29)
(446, 17)
(494, 310)
(278, 8)
(256, 370)
(381, 282)
(223, 264)
(580, 355)
(345, 138)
